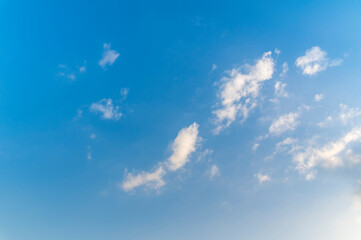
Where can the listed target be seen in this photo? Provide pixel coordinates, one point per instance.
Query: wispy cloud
(239, 91)
(182, 147)
(124, 92)
(286, 122)
(109, 56)
(315, 60)
(184, 144)
(284, 69)
(214, 171)
(330, 155)
(345, 115)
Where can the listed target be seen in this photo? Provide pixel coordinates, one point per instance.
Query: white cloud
(214, 171)
(183, 146)
(280, 89)
(315, 60)
(330, 155)
(286, 122)
(262, 178)
(239, 91)
(109, 56)
(152, 180)
(107, 109)
(318, 97)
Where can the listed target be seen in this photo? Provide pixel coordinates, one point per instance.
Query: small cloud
(318, 97)
(280, 89)
(109, 56)
(255, 146)
(284, 69)
(262, 178)
(82, 69)
(315, 60)
(124, 92)
(107, 109)
(71, 76)
(214, 67)
(214, 171)
(153, 180)
(286, 122)
(92, 136)
(183, 145)
(277, 51)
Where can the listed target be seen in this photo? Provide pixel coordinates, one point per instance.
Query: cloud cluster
(239, 91)
(184, 144)
(315, 60)
(330, 155)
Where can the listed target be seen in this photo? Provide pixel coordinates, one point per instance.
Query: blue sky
(180, 120)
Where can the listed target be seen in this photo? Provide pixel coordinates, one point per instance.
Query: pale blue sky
(180, 120)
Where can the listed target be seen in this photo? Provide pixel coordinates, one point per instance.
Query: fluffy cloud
(330, 155)
(109, 56)
(315, 60)
(184, 144)
(107, 109)
(262, 178)
(239, 91)
(153, 180)
(284, 123)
